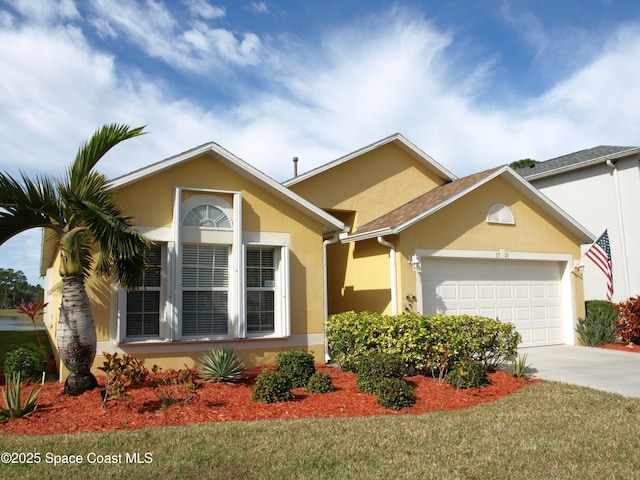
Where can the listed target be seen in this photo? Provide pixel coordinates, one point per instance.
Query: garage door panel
(468, 292)
(447, 292)
(487, 292)
(505, 314)
(504, 292)
(521, 292)
(526, 293)
(521, 314)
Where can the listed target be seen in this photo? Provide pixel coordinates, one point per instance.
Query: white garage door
(525, 293)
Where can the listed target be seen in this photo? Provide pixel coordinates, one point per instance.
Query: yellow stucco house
(421, 239)
(237, 260)
(242, 260)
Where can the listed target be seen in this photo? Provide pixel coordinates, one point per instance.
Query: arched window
(206, 216)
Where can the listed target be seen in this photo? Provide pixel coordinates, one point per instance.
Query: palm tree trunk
(76, 336)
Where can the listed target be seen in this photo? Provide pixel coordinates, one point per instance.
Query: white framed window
(143, 307)
(208, 280)
(266, 281)
(205, 291)
(260, 281)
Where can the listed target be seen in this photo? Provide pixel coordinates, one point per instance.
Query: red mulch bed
(622, 346)
(221, 402)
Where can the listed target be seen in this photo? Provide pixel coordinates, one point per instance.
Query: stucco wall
(593, 196)
(460, 226)
(386, 177)
(150, 203)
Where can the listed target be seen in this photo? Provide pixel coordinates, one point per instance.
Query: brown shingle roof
(424, 203)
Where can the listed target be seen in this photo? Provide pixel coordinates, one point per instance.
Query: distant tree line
(14, 289)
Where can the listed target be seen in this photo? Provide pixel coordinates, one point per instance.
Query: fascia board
(448, 201)
(518, 182)
(158, 166)
(584, 235)
(440, 170)
(367, 235)
(585, 164)
(246, 170)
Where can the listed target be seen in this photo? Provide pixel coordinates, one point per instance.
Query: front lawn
(547, 430)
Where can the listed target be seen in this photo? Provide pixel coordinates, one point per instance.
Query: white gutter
(330, 241)
(393, 274)
(623, 242)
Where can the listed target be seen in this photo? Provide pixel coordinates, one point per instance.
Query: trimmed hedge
(424, 342)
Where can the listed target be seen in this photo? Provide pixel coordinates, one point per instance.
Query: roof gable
(249, 172)
(576, 160)
(396, 139)
(425, 205)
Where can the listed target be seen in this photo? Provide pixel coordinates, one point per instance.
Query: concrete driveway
(598, 368)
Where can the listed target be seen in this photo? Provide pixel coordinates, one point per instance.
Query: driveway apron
(598, 368)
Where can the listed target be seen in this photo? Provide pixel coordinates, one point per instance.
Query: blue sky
(474, 83)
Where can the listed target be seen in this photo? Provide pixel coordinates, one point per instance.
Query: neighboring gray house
(600, 188)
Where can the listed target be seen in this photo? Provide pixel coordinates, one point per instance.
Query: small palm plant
(221, 365)
(11, 394)
(32, 310)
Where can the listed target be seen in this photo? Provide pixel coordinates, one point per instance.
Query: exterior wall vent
(500, 213)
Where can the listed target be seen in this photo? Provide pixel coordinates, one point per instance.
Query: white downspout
(329, 241)
(621, 228)
(393, 274)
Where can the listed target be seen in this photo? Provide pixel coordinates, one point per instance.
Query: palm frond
(91, 151)
(121, 247)
(28, 204)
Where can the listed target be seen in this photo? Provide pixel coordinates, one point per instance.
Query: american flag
(600, 254)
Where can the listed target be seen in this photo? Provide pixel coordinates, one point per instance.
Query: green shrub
(121, 374)
(428, 343)
(377, 366)
(272, 386)
(11, 394)
(598, 327)
(297, 365)
(395, 393)
(27, 360)
(174, 386)
(468, 373)
(596, 306)
(221, 365)
(628, 325)
(319, 382)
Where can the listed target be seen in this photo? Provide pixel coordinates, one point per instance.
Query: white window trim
(281, 242)
(171, 285)
(121, 315)
(232, 238)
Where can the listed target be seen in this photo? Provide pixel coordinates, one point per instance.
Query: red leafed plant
(32, 310)
(628, 325)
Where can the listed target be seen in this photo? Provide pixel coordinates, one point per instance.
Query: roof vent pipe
(295, 166)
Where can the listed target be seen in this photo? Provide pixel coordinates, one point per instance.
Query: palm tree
(92, 233)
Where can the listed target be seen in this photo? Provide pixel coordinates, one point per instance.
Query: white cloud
(201, 8)
(258, 7)
(395, 72)
(45, 11)
(193, 46)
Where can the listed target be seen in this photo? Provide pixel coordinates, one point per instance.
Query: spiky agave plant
(11, 394)
(221, 365)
